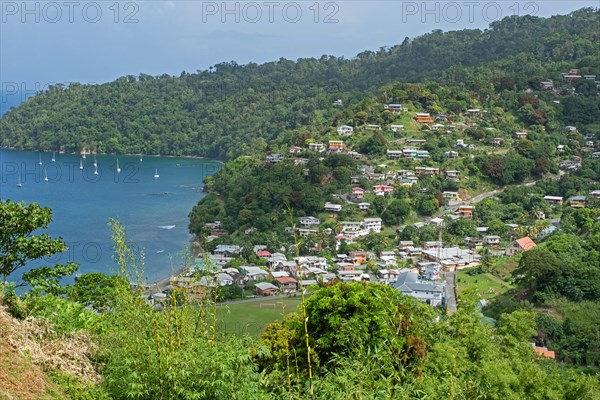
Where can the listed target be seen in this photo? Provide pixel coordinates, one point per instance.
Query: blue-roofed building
(430, 292)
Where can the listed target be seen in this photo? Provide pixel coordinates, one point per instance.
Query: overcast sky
(43, 42)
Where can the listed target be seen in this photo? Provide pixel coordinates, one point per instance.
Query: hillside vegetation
(231, 110)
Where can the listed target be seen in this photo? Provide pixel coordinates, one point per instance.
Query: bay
(154, 211)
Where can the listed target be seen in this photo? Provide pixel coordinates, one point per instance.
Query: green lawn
(487, 285)
(251, 318)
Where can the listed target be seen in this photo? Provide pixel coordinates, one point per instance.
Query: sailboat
(95, 162)
(141, 158)
(118, 169)
(40, 159)
(53, 156)
(19, 184)
(45, 175)
(95, 169)
(81, 163)
(156, 173)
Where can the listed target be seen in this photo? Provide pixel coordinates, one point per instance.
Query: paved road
(450, 292)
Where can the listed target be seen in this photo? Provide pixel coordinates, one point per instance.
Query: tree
(18, 244)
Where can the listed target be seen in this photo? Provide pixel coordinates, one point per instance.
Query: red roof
(286, 279)
(545, 352)
(526, 243)
(263, 253)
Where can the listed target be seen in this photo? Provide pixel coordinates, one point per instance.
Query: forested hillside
(231, 110)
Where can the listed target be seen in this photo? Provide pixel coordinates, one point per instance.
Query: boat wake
(167, 226)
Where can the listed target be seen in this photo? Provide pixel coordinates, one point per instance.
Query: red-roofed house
(263, 254)
(545, 352)
(287, 284)
(519, 245)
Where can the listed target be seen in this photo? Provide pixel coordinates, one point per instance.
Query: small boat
(81, 163)
(95, 162)
(156, 174)
(141, 158)
(118, 169)
(40, 159)
(19, 184)
(53, 156)
(95, 169)
(83, 155)
(45, 175)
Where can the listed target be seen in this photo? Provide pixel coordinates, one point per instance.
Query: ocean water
(154, 211)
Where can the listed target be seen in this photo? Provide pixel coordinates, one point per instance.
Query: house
(437, 127)
(520, 135)
(544, 352)
(351, 225)
(409, 181)
(387, 275)
(496, 141)
(265, 289)
(451, 258)
(451, 154)
(295, 150)
(452, 174)
(372, 127)
(473, 112)
(225, 249)
(578, 201)
(423, 118)
(427, 171)
(345, 130)
(451, 196)
(431, 245)
(405, 244)
(416, 142)
(253, 273)
(336, 146)
(394, 154)
(309, 221)
(274, 158)
(396, 128)
(546, 85)
(331, 207)
(354, 180)
(279, 274)
(287, 284)
(372, 224)
(350, 276)
(393, 108)
(263, 254)
(464, 211)
(520, 245)
(357, 194)
(316, 146)
(363, 206)
(553, 199)
(491, 240)
(381, 190)
(429, 292)
(595, 194)
(354, 154)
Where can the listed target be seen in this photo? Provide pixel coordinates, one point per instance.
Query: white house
(345, 130)
(373, 224)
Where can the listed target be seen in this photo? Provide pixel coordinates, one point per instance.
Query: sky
(47, 42)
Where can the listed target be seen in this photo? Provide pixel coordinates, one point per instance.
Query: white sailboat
(95, 169)
(141, 158)
(19, 184)
(40, 159)
(156, 176)
(45, 175)
(95, 162)
(118, 169)
(81, 164)
(53, 156)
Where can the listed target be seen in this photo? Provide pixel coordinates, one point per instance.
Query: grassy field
(487, 285)
(251, 318)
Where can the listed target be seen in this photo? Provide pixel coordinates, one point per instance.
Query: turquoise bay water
(153, 210)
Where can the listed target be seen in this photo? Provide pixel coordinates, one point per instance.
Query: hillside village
(412, 149)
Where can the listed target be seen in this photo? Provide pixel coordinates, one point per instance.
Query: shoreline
(115, 154)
